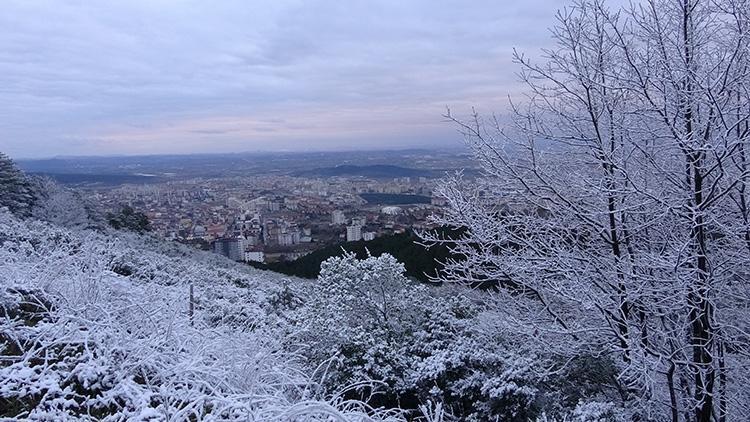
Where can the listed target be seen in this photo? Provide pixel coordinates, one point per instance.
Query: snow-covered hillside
(97, 326)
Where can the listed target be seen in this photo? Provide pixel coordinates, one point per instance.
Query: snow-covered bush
(358, 315)
(472, 374)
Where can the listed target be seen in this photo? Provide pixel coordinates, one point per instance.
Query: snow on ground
(96, 326)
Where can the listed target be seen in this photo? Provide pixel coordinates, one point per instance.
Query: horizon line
(251, 152)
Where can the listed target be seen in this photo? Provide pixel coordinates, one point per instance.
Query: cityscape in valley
(266, 207)
(375, 211)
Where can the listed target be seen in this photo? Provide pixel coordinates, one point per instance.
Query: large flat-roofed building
(254, 256)
(232, 248)
(353, 233)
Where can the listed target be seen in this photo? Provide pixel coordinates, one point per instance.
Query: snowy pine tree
(15, 190)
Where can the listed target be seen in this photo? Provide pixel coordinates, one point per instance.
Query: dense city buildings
(275, 218)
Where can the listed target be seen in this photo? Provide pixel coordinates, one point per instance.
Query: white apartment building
(254, 256)
(353, 233)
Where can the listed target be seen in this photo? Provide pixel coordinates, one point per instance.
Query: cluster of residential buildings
(272, 218)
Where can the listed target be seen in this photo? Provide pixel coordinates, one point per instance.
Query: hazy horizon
(458, 148)
(189, 77)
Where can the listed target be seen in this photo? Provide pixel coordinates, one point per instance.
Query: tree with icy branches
(613, 211)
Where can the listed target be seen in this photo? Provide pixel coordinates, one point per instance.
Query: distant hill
(386, 164)
(378, 171)
(99, 179)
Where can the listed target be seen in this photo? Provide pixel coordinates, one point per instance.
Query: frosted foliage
(61, 206)
(83, 340)
(367, 287)
(96, 324)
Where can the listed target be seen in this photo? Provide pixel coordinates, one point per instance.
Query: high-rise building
(353, 233)
(232, 248)
(338, 217)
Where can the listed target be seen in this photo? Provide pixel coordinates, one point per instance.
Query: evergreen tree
(129, 219)
(15, 190)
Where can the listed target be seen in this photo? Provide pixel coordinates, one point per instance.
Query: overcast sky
(82, 77)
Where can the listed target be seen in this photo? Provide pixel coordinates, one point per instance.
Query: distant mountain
(99, 179)
(373, 164)
(378, 171)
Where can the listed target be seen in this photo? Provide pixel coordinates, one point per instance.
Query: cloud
(81, 77)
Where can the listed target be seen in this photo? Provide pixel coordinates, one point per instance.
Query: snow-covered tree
(61, 206)
(128, 218)
(405, 344)
(368, 286)
(612, 211)
(15, 190)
